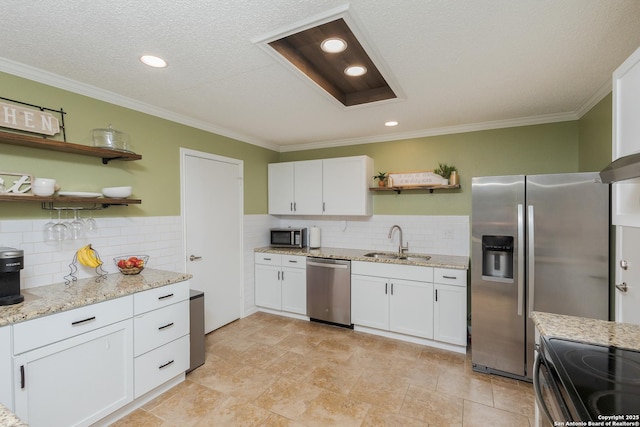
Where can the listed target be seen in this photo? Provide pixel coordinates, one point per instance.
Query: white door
(627, 275)
(212, 210)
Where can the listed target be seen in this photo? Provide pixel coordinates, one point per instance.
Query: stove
(587, 381)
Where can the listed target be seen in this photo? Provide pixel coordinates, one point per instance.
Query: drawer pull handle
(165, 296)
(168, 325)
(166, 364)
(293, 261)
(22, 379)
(79, 322)
(450, 277)
(267, 259)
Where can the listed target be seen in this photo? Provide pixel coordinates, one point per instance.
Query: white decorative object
(19, 187)
(415, 179)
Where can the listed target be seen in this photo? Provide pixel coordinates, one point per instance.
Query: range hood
(626, 167)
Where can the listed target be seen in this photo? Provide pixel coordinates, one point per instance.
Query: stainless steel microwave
(288, 237)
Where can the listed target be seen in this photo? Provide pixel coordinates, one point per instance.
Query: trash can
(196, 309)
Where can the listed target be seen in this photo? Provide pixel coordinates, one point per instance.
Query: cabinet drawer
(160, 297)
(57, 327)
(160, 365)
(294, 261)
(449, 276)
(396, 271)
(158, 327)
(268, 259)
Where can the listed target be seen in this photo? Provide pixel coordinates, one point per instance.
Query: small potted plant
(446, 171)
(382, 178)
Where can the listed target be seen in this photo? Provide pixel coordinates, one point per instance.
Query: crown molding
(598, 96)
(21, 70)
(448, 130)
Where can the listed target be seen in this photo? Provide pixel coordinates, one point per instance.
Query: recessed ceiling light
(333, 45)
(391, 123)
(153, 61)
(355, 70)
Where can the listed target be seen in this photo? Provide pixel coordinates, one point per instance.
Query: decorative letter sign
(27, 119)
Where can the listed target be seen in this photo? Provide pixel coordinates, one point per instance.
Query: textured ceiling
(461, 65)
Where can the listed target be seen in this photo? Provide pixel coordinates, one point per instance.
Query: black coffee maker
(11, 262)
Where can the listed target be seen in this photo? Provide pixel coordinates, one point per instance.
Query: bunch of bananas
(88, 256)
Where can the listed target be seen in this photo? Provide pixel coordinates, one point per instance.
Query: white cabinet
(281, 282)
(76, 378)
(337, 186)
(345, 186)
(161, 335)
(626, 138)
(450, 306)
(6, 368)
(392, 297)
(295, 188)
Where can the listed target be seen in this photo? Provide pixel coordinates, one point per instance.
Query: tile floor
(268, 370)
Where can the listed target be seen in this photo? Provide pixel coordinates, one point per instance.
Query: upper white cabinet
(345, 186)
(337, 186)
(626, 138)
(295, 188)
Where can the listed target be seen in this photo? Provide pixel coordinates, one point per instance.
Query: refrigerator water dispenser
(497, 257)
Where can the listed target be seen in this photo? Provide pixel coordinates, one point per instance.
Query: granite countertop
(8, 418)
(593, 331)
(444, 261)
(58, 297)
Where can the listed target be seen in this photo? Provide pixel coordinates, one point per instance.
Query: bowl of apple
(131, 264)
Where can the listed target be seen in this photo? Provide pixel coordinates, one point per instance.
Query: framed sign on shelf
(415, 179)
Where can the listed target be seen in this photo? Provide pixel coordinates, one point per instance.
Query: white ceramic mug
(43, 186)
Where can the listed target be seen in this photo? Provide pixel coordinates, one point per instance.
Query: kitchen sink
(386, 255)
(381, 255)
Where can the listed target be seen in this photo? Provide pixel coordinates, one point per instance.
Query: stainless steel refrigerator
(539, 243)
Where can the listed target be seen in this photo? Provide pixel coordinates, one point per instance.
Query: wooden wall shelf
(430, 188)
(49, 201)
(66, 147)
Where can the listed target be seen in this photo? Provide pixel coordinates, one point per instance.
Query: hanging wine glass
(91, 224)
(77, 226)
(47, 232)
(59, 231)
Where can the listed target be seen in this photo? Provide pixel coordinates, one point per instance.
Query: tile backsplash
(162, 238)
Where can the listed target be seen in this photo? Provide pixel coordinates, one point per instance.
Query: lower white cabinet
(77, 381)
(401, 301)
(450, 306)
(6, 368)
(161, 339)
(281, 282)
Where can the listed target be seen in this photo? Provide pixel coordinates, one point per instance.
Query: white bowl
(43, 186)
(117, 192)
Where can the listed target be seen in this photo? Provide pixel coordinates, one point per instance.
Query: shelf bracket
(50, 206)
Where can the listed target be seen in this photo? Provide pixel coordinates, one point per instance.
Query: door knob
(194, 258)
(623, 287)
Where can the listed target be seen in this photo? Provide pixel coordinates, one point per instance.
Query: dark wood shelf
(103, 201)
(66, 147)
(429, 188)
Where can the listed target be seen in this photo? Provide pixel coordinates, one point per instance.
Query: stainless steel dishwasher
(329, 290)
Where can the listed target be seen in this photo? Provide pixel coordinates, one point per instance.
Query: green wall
(595, 134)
(571, 146)
(549, 148)
(155, 178)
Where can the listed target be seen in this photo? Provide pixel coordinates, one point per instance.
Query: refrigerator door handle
(520, 258)
(531, 256)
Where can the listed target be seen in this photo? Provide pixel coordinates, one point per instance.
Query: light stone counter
(8, 418)
(50, 299)
(444, 261)
(623, 335)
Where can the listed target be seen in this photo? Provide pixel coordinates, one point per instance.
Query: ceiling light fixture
(355, 70)
(153, 61)
(333, 45)
(391, 123)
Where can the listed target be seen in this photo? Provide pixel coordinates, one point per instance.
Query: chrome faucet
(401, 248)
